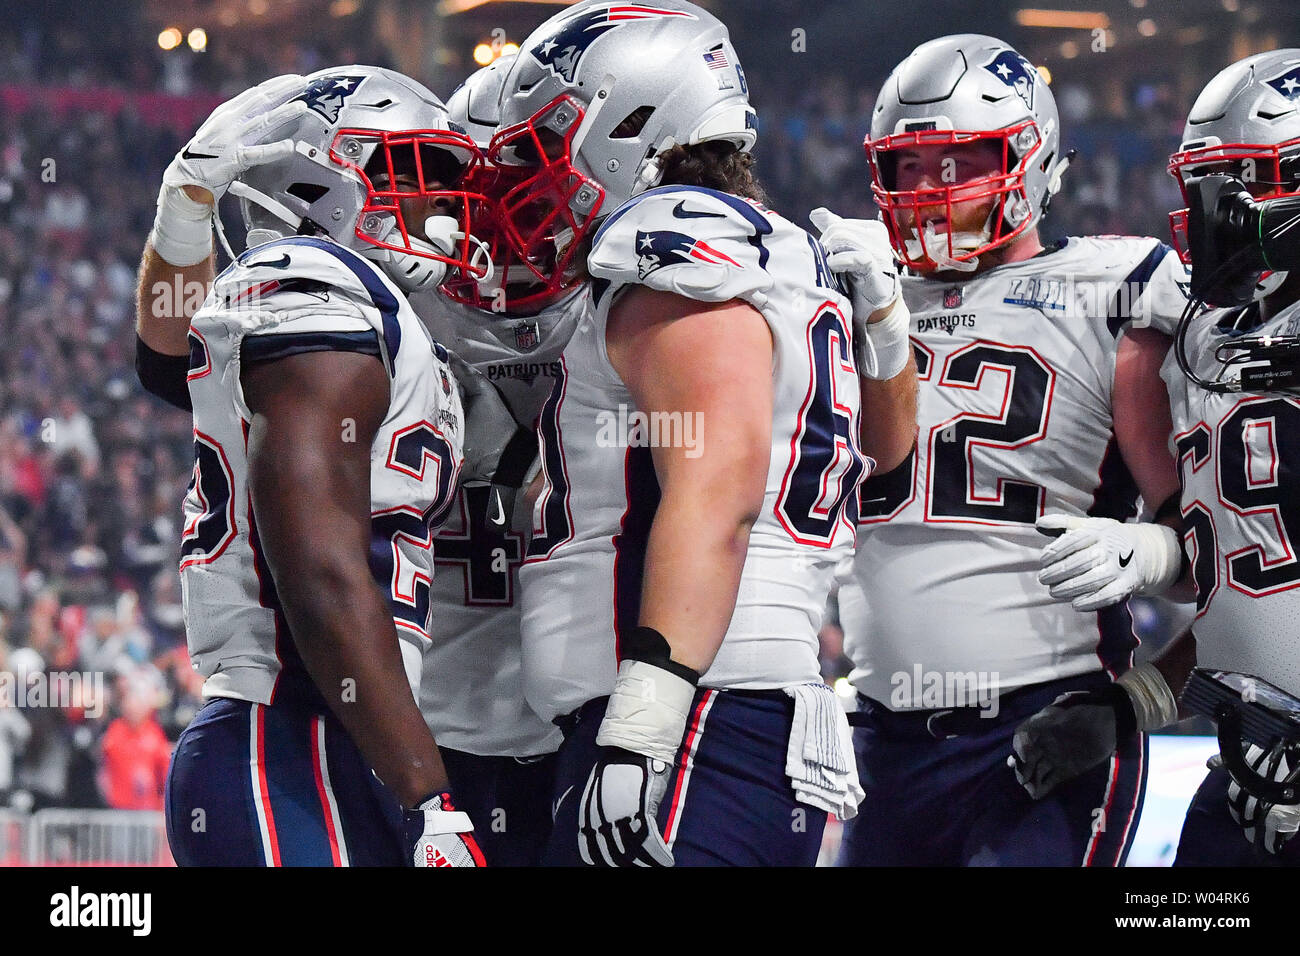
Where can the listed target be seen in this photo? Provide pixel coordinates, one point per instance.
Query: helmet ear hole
(632, 124)
(307, 192)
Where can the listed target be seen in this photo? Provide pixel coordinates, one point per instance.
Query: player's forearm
(1175, 664)
(694, 560)
(350, 648)
(167, 296)
(889, 413)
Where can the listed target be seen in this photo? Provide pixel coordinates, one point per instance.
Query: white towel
(819, 758)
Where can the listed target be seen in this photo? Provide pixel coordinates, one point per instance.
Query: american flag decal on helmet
(663, 247)
(562, 50)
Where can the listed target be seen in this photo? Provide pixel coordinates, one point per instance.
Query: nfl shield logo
(446, 382)
(526, 336)
(952, 298)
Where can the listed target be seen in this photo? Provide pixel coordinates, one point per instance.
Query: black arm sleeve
(163, 375)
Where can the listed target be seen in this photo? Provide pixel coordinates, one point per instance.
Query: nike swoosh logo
(186, 154)
(681, 212)
(499, 519)
(281, 263)
(556, 808)
(1124, 559)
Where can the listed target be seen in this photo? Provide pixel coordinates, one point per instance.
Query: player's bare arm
(311, 500)
(667, 349)
(889, 417)
(1143, 424)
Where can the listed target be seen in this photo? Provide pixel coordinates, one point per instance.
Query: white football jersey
(582, 578)
(1241, 508)
(1016, 366)
(284, 297)
(472, 693)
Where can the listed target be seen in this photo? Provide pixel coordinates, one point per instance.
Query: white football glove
(224, 146)
(227, 142)
(1097, 562)
(439, 835)
(1266, 824)
(617, 819)
(859, 251)
(643, 727)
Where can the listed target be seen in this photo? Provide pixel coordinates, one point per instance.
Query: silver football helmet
(955, 90)
(475, 105)
(594, 97)
(1245, 123)
(377, 167)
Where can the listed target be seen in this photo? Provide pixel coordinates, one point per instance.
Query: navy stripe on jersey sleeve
(382, 298)
(1133, 288)
(268, 348)
(751, 215)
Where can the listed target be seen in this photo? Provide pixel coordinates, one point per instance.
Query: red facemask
(1258, 166)
(1019, 145)
(543, 209)
(421, 174)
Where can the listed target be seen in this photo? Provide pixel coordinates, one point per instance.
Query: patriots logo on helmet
(1016, 72)
(326, 95)
(663, 247)
(1288, 84)
(562, 50)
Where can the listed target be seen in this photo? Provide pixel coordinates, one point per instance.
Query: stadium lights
(198, 39)
(1147, 28)
(170, 38)
(485, 53)
(1066, 19)
(1045, 73)
(344, 8)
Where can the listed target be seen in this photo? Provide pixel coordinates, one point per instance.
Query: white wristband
(182, 228)
(1164, 557)
(647, 711)
(882, 352)
(1154, 703)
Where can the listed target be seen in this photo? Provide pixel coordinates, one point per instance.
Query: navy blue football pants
(1211, 837)
(939, 800)
(729, 801)
(255, 785)
(509, 801)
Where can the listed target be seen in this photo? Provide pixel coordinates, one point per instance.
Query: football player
(328, 434)
(498, 752)
(700, 452)
(1040, 396)
(1233, 406)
